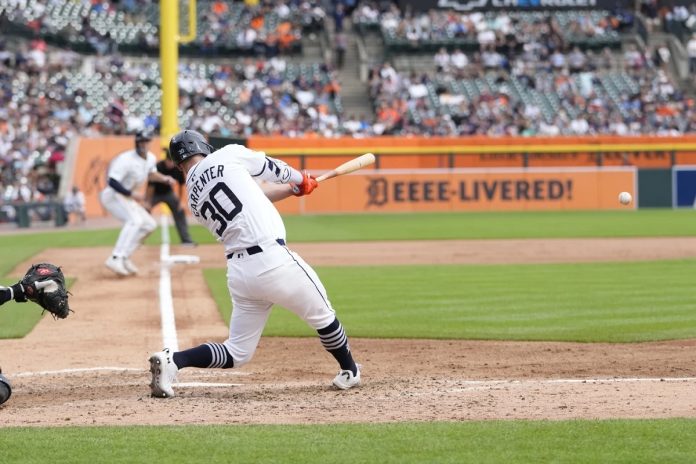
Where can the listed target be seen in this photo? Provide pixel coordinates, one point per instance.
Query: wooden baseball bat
(349, 166)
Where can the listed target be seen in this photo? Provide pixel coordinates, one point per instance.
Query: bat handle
(325, 176)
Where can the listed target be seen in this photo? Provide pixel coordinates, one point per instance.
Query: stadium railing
(45, 210)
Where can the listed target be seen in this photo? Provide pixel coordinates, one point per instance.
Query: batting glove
(309, 183)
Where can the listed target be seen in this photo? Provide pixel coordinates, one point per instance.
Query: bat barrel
(349, 166)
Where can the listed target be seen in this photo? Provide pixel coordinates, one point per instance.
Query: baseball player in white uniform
(127, 172)
(224, 196)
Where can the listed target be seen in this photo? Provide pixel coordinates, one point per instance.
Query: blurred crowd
(262, 97)
(680, 21)
(35, 126)
(538, 92)
(487, 29)
(266, 27)
(60, 93)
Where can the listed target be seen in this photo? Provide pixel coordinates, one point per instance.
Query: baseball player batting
(261, 271)
(127, 172)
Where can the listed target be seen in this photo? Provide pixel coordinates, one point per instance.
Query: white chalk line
(83, 370)
(477, 385)
(206, 384)
(169, 338)
(78, 371)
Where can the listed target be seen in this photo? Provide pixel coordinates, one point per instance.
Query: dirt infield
(91, 368)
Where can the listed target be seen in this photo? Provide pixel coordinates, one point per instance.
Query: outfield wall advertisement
(684, 187)
(386, 190)
(469, 190)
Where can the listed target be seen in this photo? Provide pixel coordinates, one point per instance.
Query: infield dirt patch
(101, 352)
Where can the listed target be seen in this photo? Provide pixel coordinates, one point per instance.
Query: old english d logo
(377, 191)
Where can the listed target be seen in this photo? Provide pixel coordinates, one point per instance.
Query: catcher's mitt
(44, 284)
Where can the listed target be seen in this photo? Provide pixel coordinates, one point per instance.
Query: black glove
(44, 284)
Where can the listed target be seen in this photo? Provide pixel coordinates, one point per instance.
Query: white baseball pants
(138, 223)
(274, 276)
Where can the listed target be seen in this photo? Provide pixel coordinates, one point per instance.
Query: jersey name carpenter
(213, 172)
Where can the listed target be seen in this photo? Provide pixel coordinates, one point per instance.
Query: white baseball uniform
(131, 171)
(261, 270)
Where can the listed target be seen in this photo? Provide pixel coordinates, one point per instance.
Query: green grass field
(663, 441)
(588, 302)
(422, 226)
(629, 223)
(591, 302)
(16, 320)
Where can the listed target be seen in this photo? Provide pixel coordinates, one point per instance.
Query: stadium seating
(106, 26)
(680, 21)
(428, 32)
(124, 94)
(82, 25)
(548, 101)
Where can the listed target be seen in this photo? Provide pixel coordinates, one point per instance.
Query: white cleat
(345, 380)
(116, 265)
(129, 266)
(163, 372)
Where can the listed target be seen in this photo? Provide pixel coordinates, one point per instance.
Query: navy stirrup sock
(208, 355)
(335, 342)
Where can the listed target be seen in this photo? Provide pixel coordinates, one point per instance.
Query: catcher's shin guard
(5, 388)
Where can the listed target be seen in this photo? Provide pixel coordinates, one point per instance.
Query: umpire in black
(159, 192)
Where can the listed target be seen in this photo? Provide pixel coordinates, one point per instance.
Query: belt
(252, 250)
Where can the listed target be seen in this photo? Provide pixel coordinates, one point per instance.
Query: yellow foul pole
(169, 58)
(169, 61)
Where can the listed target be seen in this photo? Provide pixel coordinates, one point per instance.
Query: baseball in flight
(625, 198)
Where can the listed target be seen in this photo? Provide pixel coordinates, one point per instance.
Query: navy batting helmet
(188, 143)
(142, 136)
